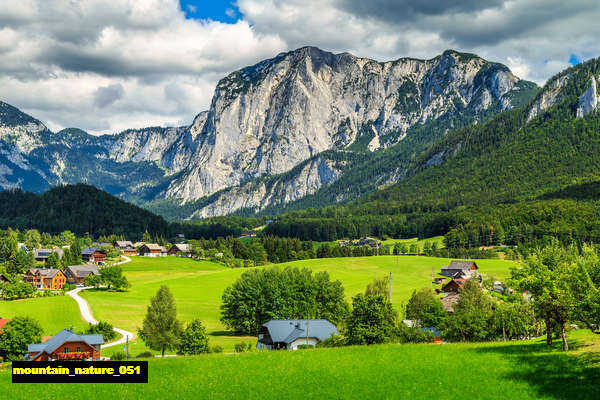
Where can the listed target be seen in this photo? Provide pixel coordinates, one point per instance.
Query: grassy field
(512, 370)
(53, 313)
(198, 285)
(437, 239)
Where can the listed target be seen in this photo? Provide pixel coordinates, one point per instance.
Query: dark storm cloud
(105, 96)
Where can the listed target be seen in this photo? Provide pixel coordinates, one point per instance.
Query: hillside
(275, 133)
(511, 171)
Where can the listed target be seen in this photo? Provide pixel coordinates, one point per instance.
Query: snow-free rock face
(267, 118)
(589, 100)
(263, 120)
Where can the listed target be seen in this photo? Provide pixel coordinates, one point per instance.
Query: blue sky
(217, 10)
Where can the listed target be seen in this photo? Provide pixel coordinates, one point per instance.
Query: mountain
(276, 132)
(529, 173)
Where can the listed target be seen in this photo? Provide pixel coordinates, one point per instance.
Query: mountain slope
(474, 174)
(266, 120)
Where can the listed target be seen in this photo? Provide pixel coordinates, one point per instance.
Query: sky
(106, 66)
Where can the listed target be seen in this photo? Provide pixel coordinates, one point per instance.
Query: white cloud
(106, 66)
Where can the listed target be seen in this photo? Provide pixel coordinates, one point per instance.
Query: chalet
(453, 286)
(459, 267)
(3, 322)
(181, 250)
(41, 255)
(66, 345)
(289, 334)
(152, 250)
(77, 273)
(123, 244)
(46, 278)
(93, 255)
(249, 234)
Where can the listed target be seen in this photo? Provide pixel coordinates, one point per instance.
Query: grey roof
(46, 272)
(153, 246)
(81, 271)
(183, 247)
(123, 243)
(288, 330)
(102, 244)
(42, 253)
(66, 335)
(88, 251)
(459, 264)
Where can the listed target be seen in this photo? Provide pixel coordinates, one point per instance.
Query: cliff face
(264, 120)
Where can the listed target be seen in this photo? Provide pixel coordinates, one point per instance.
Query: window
(66, 349)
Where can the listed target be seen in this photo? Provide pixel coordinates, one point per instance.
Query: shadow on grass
(551, 372)
(222, 333)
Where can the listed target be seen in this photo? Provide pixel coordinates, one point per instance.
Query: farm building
(66, 345)
(288, 334)
(182, 250)
(123, 245)
(41, 255)
(93, 255)
(463, 268)
(453, 286)
(45, 278)
(77, 273)
(152, 250)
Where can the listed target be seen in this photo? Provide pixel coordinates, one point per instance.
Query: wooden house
(93, 255)
(152, 250)
(66, 345)
(46, 278)
(463, 268)
(77, 273)
(453, 286)
(181, 250)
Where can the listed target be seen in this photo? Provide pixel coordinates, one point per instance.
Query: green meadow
(512, 370)
(53, 313)
(198, 285)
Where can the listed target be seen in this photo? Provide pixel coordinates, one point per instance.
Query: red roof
(3, 322)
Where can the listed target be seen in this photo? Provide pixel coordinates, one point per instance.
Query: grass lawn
(53, 313)
(438, 239)
(512, 370)
(198, 285)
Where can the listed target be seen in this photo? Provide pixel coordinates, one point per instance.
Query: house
(181, 250)
(137, 245)
(152, 250)
(367, 241)
(93, 255)
(123, 244)
(101, 244)
(41, 255)
(458, 266)
(289, 334)
(77, 273)
(66, 345)
(3, 322)
(449, 301)
(249, 234)
(45, 278)
(453, 286)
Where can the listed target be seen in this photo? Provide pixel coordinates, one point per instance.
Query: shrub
(144, 354)
(69, 286)
(117, 356)
(407, 334)
(240, 347)
(216, 349)
(103, 328)
(194, 339)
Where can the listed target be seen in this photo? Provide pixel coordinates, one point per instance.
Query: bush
(117, 356)
(144, 354)
(407, 334)
(102, 328)
(194, 339)
(240, 347)
(216, 349)
(69, 286)
(305, 346)
(333, 341)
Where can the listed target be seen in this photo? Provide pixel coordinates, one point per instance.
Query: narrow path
(86, 312)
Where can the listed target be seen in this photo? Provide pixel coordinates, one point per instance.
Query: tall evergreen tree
(161, 330)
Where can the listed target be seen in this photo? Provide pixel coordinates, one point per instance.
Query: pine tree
(161, 330)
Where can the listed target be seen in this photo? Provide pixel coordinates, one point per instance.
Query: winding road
(86, 312)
